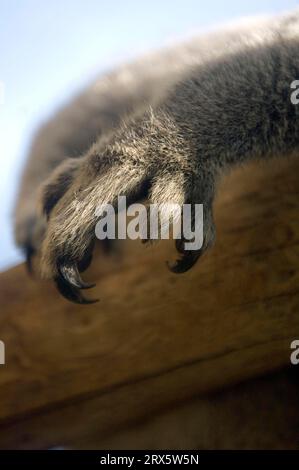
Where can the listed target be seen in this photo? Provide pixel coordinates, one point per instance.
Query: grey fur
(173, 123)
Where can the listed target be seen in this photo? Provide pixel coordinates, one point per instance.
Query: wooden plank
(156, 338)
(87, 421)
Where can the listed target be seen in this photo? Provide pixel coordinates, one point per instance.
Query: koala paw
(103, 176)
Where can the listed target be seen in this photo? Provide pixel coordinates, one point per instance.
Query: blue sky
(48, 49)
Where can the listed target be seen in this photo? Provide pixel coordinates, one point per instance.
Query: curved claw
(71, 276)
(71, 293)
(186, 261)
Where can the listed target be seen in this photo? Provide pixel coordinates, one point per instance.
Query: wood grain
(155, 338)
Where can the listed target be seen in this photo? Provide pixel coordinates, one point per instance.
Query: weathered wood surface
(76, 374)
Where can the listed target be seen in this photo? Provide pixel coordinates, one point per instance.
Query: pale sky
(48, 49)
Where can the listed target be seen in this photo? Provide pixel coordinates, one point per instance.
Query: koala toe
(57, 184)
(29, 231)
